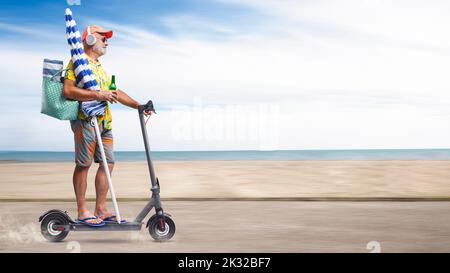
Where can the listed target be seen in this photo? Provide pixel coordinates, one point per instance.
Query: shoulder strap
(59, 71)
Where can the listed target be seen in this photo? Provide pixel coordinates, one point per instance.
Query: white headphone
(90, 38)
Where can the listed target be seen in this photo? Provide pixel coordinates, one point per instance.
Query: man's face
(101, 44)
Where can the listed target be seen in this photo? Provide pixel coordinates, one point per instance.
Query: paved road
(249, 226)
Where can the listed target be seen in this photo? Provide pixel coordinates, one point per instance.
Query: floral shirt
(104, 82)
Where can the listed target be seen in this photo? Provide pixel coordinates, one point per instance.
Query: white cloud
(186, 23)
(344, 74)
(29, 32)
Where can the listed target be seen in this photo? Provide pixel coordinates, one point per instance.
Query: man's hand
(106, 95)
(123, 98)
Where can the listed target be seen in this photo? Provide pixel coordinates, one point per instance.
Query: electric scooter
(56, 224)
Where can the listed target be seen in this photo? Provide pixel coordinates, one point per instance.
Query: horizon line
(279, 150)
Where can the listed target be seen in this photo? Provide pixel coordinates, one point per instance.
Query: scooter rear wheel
(158, 233)
(48, 230)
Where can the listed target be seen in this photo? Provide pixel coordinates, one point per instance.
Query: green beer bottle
(112, 86)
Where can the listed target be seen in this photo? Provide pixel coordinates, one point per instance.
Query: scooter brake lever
(147, 107)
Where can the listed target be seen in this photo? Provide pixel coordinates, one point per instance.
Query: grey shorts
(86, 147)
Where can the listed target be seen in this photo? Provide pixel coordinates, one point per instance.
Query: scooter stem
(105, 167)
(146, 145)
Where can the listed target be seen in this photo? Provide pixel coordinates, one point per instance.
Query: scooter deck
(109, 226)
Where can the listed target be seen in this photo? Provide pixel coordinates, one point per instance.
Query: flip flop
(84, 221)
(112, 219)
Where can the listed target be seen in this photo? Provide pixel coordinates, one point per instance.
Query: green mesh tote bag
(54, 103)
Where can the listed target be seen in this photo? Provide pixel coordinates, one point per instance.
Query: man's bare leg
(80, 184)
(102, 188)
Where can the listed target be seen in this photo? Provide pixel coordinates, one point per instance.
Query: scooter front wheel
(161, 228)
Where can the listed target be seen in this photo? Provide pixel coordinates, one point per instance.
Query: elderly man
(86, 147)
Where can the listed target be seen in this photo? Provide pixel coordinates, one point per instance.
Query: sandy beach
(301, 227)
(238, 179)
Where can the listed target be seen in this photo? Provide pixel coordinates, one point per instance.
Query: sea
(372, 154)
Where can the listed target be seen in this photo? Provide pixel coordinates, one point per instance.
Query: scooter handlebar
(146, 107)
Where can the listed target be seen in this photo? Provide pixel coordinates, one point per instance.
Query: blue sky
(229, 74)
(148, 15)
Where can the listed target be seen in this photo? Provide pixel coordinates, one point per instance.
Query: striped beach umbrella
(85, 78)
